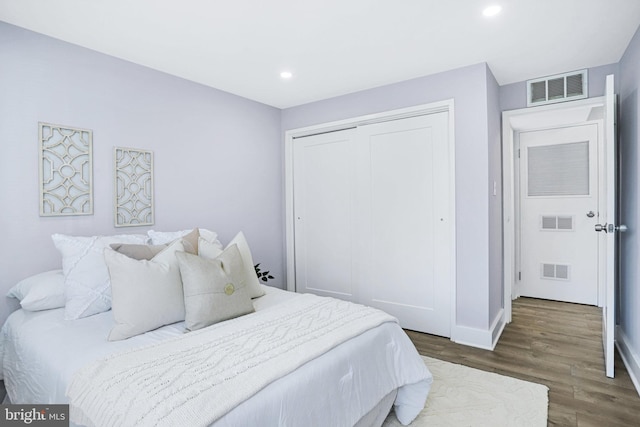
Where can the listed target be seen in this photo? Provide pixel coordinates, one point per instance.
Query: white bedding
(41, 352)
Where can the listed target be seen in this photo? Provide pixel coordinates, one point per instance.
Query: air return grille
(557, 222)
(554, 271)
(558, 88)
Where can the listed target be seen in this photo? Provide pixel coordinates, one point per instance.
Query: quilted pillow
(86, 279)
(214, 290)
(43, 291)
(208, 250)
(146, 294)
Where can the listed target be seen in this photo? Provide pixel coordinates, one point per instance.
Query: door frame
(538, 118)
(418, 110)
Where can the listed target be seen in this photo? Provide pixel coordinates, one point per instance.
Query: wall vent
(554, 271)
(558, 88)
(556, 222)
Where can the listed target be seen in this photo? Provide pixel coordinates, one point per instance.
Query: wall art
(66, 170)
(133, 187)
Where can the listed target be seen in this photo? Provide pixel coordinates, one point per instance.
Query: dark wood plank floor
(559, 345)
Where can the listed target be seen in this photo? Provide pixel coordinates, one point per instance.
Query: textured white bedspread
(41, 352)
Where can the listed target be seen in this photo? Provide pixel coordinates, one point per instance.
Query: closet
(372, 215)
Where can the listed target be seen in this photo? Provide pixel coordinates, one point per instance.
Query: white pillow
(146, 294)
(208, 250)
(87, 287)
(164, 237)
(43, 291)
(214, 290)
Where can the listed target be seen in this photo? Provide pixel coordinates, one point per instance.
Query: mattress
(40, 352)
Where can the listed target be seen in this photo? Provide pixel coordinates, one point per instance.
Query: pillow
(164, 237)
(137, 251)
(86, 279)
(43, 291)
(208, 250)
(146, 294)
(214, 290)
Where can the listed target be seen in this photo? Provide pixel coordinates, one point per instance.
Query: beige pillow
(214, 290)
(210, 250)
(138, 251)
(146, 294)
(190, 241)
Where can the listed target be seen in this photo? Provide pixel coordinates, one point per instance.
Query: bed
(292, 360)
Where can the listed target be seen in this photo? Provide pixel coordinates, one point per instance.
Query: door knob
(610, 228)
(590, 214)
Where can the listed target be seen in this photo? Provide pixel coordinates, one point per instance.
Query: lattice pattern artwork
(66, 170)
(133, 187)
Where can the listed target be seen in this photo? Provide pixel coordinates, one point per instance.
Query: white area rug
(461, 396)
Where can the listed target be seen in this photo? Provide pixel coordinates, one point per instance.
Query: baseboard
(630, 358)
(480, 338)
(497, 327)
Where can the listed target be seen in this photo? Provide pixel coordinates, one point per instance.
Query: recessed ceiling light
(492, 10)
(286, 75)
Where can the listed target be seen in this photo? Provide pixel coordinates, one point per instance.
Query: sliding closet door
(404, 250)
(323, 174)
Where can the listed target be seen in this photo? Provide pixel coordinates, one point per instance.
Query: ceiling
(334, 47)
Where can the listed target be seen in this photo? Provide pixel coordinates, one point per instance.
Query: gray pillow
(138, 251)
(215, 289)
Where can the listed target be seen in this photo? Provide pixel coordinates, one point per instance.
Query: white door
(609, 228)
(324, 213)
(558, 211)
(405, 260)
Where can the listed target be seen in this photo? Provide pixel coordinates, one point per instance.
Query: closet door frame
(419, 110)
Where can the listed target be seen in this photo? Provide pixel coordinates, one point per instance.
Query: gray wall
(468, 87)
(496, 285)
(628, 126)
(218, 158)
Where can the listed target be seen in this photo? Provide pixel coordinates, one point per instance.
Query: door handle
(600, 227)
(610, 228)
(590, 214)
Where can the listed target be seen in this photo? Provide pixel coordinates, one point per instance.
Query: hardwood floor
(559, 345)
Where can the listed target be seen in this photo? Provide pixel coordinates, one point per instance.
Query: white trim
(481, 338)
(402, 113)
(630, 358)
(528, 119)
(419, 110)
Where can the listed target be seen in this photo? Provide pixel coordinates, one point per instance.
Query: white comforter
(41, 353)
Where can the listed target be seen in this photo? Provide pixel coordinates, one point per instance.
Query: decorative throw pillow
(214, 290)
(43, 291)
(147, 294)
(209, 251)
(87, 287)
(138, 251)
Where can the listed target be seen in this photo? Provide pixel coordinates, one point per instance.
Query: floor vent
(558, 88)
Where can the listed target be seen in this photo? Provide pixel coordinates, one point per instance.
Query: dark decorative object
(262, 275)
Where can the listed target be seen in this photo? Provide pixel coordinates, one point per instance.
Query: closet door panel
(323, 213)
(402, 168)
